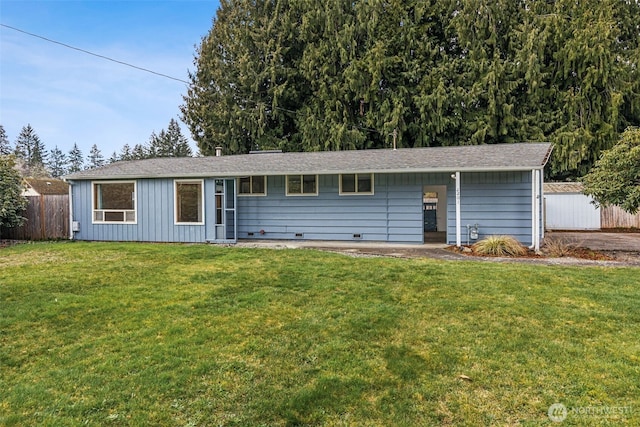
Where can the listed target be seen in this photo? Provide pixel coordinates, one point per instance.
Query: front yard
(159, 334)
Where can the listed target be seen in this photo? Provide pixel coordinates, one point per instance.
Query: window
(356, 183)
(114, 202)
(253, 186)
(189, 207)
(302, 185)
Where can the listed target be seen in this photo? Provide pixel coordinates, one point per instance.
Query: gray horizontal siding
(393, 213)
(327, 216)
(500, 203)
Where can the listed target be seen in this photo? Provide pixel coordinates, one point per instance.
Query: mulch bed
(574, 252)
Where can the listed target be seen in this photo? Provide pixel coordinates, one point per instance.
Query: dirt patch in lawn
(579, 256)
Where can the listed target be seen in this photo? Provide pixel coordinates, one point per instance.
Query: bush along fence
(47, 218)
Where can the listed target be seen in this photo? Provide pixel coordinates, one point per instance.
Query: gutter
(236, 174)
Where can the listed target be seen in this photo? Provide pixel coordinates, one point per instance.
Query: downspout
(543, 220)
(71, 233)
(533, 208)
(458, 234)
(538, 208)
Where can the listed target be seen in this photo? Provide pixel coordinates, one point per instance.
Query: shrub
(559, 247)
(499, 246)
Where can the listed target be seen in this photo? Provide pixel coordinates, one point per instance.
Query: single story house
(365, 195)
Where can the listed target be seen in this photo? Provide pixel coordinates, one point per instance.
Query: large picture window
(114, 202)
(253, 186)
(188, 203)
(356, 183)
(302, 185)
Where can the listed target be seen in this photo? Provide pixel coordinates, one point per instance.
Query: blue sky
(70, 97)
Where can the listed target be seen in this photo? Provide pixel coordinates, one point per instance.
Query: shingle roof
(48, 186)
(494, 157)
(563, 187)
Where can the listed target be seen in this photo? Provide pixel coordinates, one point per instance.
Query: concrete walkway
(624, 247)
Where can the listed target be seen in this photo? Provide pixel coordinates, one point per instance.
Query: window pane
(245, 185)
(218, 209)
(189, 202)
(114, 216)
(294, 185)
(348, 183)
(219, 186)
(114, 196)
(257, 186)
(364, 183)
(309, 184)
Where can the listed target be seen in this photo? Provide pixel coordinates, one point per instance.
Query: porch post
(536, 240)
(458, 238)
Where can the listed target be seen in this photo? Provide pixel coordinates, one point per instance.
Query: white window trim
(286, 182)
(357, 193)
(175, 200)
(253, 194)
(135, 203)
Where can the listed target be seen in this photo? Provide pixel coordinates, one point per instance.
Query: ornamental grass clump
(499, 246)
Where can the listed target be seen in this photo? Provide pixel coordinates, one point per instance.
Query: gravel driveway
(600, 241)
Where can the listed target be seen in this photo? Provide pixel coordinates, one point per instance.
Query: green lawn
(201, 335)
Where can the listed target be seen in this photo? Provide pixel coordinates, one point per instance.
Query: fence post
(43, 226)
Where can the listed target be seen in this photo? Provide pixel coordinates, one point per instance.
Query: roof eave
(447, 169)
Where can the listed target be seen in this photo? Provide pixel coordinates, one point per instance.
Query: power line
(354, 126)
(94, 54)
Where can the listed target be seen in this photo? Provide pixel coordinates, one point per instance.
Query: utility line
(154, 72)
(94, 54)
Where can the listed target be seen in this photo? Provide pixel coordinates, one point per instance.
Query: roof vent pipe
(218, 151)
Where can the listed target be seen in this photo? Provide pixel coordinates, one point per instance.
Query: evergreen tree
(57, 163)
(125, 153)
(246, 89)
(12, 202)
(169, 143)
(156, 144)
(95, 159)
(75, 159)
(39, 155)
(347, 75)
(139, 152)
(114, 157)
(5, 147)
(31, 150)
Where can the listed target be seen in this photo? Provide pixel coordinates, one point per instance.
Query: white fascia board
(214, 174)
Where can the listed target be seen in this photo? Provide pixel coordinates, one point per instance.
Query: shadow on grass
(326, 395)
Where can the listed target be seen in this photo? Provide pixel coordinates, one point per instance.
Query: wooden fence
(614, 217)
(47, 218)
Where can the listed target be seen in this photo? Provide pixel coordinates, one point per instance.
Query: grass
(149, 334)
